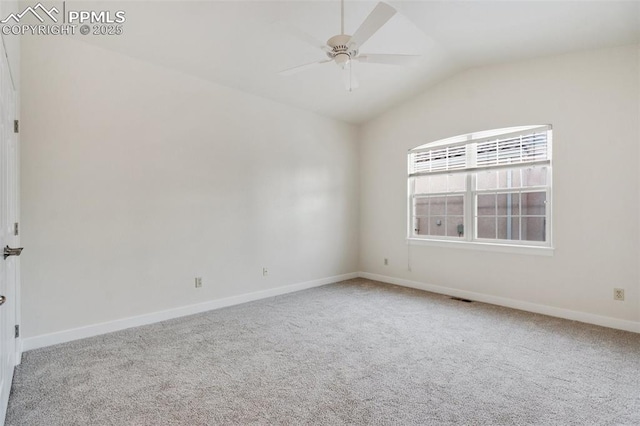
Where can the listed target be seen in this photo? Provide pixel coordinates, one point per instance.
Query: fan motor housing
(340, 45)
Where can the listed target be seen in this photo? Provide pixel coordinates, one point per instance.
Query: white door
(9, 199)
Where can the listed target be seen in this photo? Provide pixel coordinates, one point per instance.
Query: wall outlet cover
(618, 294)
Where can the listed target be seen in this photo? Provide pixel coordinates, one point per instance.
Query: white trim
(620, 324)
(502, 166)
(475, 245)
(18, 358)
(153, 317)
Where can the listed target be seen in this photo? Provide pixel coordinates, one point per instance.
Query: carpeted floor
(355, 352)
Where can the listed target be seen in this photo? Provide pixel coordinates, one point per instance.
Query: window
(490, 187)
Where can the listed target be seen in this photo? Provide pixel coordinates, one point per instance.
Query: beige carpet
(356, 352)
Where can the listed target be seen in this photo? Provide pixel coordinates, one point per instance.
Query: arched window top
(475, 136)
(487, 149)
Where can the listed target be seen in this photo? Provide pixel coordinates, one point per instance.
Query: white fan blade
(294, 70)
(391, 59)
(304, 36)
(376, 19)
(349, 78)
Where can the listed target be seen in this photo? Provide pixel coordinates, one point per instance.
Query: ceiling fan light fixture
(342, 59)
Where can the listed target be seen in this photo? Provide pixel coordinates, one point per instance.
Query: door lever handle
(8, 251)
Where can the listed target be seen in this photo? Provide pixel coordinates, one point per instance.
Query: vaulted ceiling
(244, 44)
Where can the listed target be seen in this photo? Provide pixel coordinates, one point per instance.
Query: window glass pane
(515, 203)
(455, 226)
(436, 225)
(487, 227)
(486, 204)
(516, 178)
(533, 228)
(422, 226)
(509, 178)
(515, 228)
(501, 229)
(438, 183)
(486, 180)
(508, 204)
(457, 182)
(455, 205)
(503, 181)
(502, 204)
(422, 206)
(421, 185)
(534, 176)
(533, 203)
(437, 205)
(508, 228)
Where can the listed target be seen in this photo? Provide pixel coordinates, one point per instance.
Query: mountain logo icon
(34, 11)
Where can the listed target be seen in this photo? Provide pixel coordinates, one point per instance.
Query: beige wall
(136, 179)
(592, 101)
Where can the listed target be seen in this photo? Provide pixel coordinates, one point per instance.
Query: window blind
(523, 147)
(439, 159)
(512, 150)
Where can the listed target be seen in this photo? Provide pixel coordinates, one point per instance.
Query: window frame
(470, 238)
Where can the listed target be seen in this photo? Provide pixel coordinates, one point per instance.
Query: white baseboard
(18, 351)
(121, 324)
(616, 323)
(44, 340)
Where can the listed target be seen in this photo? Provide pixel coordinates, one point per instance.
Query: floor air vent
(460, 299)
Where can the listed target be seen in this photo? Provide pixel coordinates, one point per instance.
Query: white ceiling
(244, 44)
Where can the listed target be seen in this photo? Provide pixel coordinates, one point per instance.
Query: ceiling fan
(344, 49)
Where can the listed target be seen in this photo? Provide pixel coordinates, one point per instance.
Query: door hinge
(17, 331)
(16, 229)
(16, 126)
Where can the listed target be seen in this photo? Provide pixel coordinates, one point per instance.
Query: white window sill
(474, 245)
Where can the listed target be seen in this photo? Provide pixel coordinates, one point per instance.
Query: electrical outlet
(198, 282)
(618, 294)
(386, 262)
(265, 272)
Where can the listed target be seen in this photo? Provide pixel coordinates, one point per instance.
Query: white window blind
(514, 146)
(438, 159)
(523, 148)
